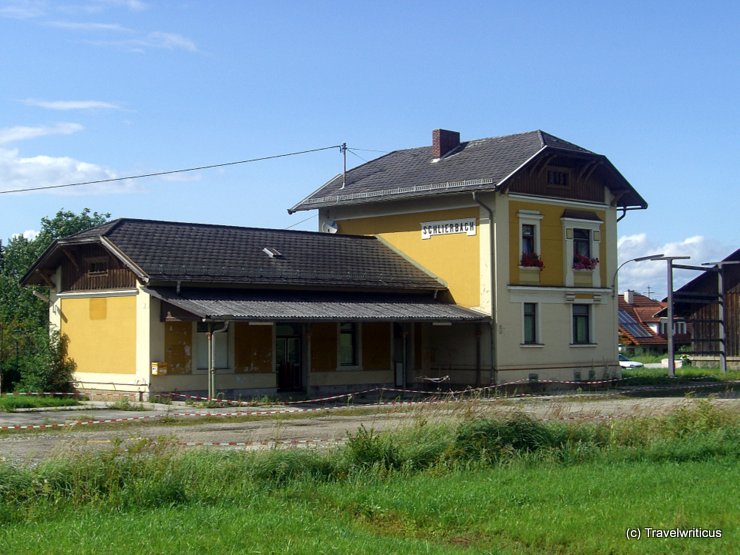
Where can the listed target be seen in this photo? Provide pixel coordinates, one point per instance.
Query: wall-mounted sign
(447, 227)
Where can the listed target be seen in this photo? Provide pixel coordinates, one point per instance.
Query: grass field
(9, 403)
(481, 486)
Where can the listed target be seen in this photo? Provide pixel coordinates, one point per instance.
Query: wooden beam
(45, 278)
(617, 197)
(585, 168)
(538, 167)
(71, 258)
(591, 170)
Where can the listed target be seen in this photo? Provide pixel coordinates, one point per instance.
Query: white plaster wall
(143, 339)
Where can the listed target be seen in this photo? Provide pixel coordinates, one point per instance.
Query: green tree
(25, 344)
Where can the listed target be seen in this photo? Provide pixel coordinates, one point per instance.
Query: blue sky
(93, 89)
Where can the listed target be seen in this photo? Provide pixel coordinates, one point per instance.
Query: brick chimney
(444, 141)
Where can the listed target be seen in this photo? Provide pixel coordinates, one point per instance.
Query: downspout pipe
(493, 371)
(212, 357)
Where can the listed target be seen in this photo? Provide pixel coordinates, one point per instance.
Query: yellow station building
(478, 262)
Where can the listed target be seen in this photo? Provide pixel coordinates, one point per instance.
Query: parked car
(624, 362)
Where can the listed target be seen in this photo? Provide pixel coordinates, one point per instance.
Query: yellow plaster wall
(552, 242)
(102, 333)
(453, 258)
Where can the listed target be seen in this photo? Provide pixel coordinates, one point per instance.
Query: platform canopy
(292, 306)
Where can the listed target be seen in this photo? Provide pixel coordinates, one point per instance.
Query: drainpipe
(211, 357)
(493, 373)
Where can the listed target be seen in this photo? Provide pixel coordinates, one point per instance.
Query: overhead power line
(352, 151)
(169, 172)
(299, 223)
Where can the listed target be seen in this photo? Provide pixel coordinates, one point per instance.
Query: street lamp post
(638, 259)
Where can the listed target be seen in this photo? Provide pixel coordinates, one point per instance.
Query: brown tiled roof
(171, 252)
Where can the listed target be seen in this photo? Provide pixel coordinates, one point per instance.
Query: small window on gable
(97, 266)
(557, 177)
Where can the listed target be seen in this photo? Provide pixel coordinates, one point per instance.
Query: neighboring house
(142, 301)
(522, 228)
(642, 329)
(698, 303)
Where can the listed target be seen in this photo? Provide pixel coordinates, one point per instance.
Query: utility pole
(343, 150)
(669, 324)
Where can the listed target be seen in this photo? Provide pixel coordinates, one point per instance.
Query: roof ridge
(120, 221)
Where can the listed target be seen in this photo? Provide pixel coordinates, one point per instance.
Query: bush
(491, 440)
(367, 449)
(47, 368)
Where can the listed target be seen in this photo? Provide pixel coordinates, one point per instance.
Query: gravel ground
(307, 429)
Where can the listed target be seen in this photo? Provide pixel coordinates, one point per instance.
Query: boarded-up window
(323, 347)
(252, 348)
(418, 346)
(376, 346)
(178, 338)
(98, 308)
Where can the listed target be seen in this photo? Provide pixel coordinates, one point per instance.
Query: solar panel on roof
(631, 325)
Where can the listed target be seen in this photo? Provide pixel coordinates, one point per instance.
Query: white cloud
(88, 26)
(652, 276)
(29, 234)
(170, 41)
(23, 9)
(184, 177)
(157, 39)
(22, 133)
(17, 172)
(72, 104)
(133, 5)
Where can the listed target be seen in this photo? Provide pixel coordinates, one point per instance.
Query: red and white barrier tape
(271, 443)
(272, 412)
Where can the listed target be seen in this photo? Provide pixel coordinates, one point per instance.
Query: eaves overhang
(413, 191)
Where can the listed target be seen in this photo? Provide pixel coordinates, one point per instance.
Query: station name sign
(448, 227)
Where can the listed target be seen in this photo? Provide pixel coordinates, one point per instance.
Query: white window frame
(537, 327)
(594, 228)
(591, 327)
(529, 217)
(679, 327)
